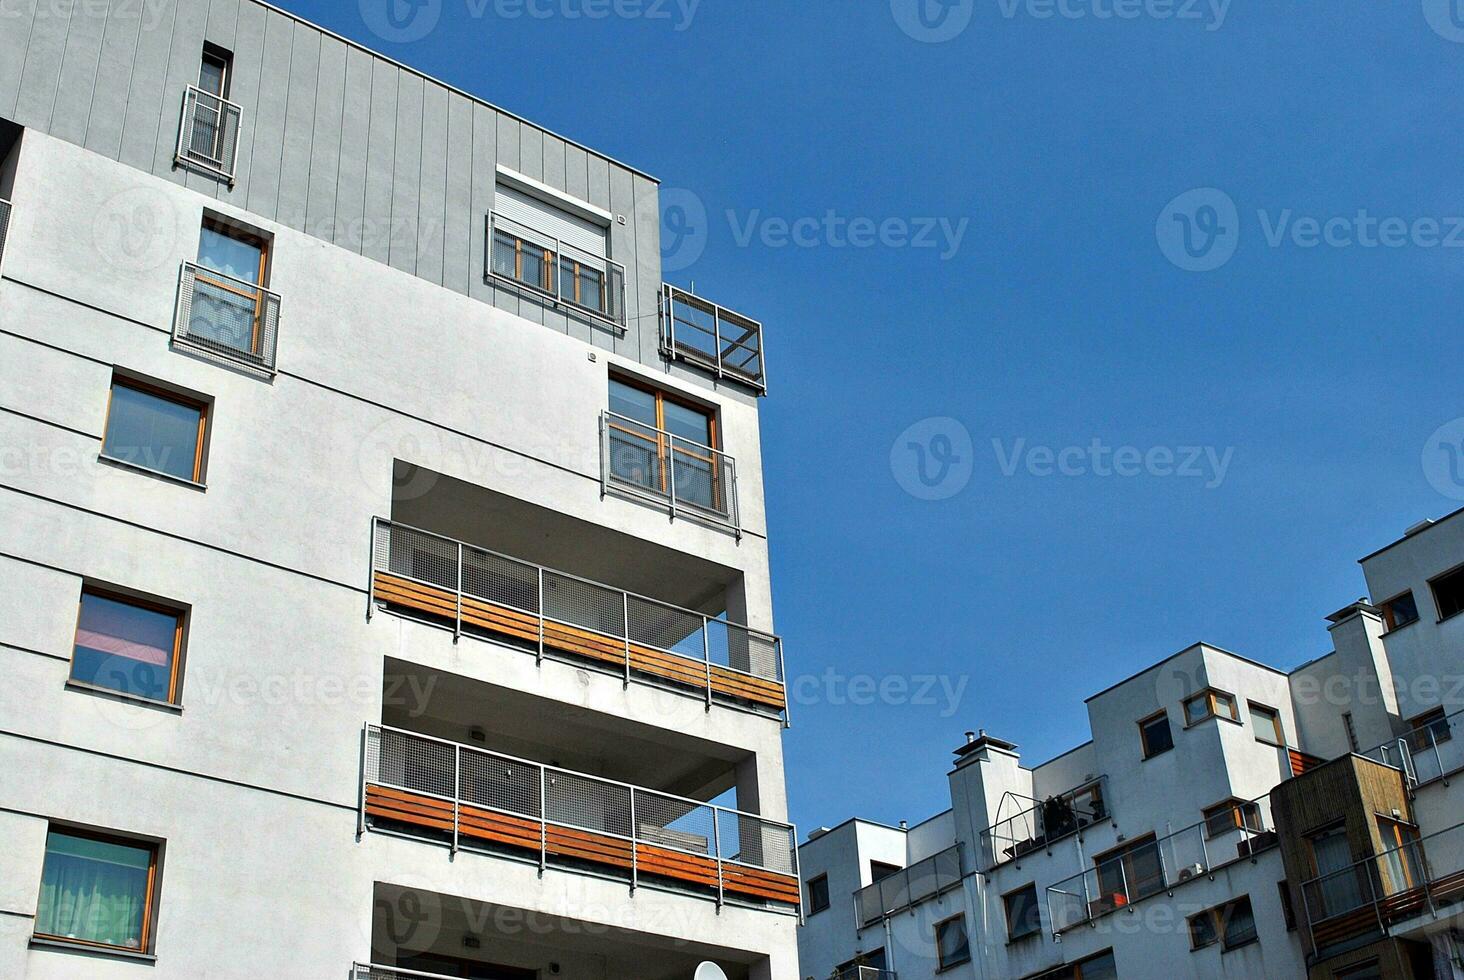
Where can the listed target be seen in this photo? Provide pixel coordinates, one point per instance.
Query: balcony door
(207, 139)
(664, 445)
(227, 308)
(1339, 888)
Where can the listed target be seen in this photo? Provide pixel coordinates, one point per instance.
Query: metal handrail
(378, 523)
(750, 343)
(545, 775)
(867, 911)
(667, 447)
(370, 971)
(1405, 746)
(864, 973)
(264, 319)
(612, 287)
(1172, 872)
(228, 116)
(1034, 816)
(1363, 869)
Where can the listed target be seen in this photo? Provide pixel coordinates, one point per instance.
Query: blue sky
(1316, 367)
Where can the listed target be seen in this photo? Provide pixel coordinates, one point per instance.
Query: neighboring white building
(1200, 833)
(384, 570)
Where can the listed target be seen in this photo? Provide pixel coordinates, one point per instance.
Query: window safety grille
(208, 137)
(227, 319)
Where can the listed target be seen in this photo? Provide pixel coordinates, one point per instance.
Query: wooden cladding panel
(526, 834)
(398, 591)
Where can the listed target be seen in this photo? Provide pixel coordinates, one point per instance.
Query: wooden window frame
(665, 447)
(149, 906)
(180, 617)
(229, 229)
(1006, 909)
(156, 391)
(1238, 809)
(1278, 727)
(1125, 853)
(814, 908)
(1219, 919)
(1144, 724)
(1071, 971)
(1211, 696)
(1425, 721)
(1391, 833)
(1390, 621)
(1433, 588)
(941, 964)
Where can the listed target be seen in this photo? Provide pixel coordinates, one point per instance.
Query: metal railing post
(361, 815)
(371, 571)
(457, 793)
(1123, 874)
(798, 874)
(543, 820)
(625, 625)
(1438, 757)
(634, 845)
(604, 456)
(783, 679)
(717, 336)
(717, 843)
(671, 471)
(457, 627)
(539, 658)
(707, 655)
(1205, 846)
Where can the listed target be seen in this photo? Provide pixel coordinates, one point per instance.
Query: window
(879, 871)
(1100, 967)
(1267, 722)
(660, 444)
(128, 646)
(97, 890)
(1232, 924)
(1400, 611)
(1156, 735)
(873, 960)
(1448, 591)
(951, 945)
(1128, 874)
(214, 71)
(227, 308)
(1222, 818)
(1342, 886)
(155, 430)
(1429, 729)
(555, 251)
(1023, 914)
(818, 894)
(1400, 854)
(1210, 703)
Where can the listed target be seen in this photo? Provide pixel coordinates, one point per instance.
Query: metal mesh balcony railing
(486, 593)
(688, 477)
(1042, 825)
(4, 225)
(477, 797)
(1427, 753)
(908, 887)
(1366, 899)
(542, 263)
(714, 337)
(208, 137)
(227, 318)
(1144, 868)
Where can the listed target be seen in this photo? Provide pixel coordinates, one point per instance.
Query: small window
(873, 960)
(1448, 591)
(1232, 924)
(1023, 914)
(214, 70)
(1429, 729)
(951, 945)
(1400, 611)
(879, 871)
(818, 894)
(128, 646)
(97, 890)
(155, 430)
(1210, 703)
(1156, 735)
(230, 307)
(1267, 722)
(1222, 818)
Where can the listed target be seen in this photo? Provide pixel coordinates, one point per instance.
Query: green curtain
(93, 890)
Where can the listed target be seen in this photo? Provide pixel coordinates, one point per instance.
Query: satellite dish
(709, 971)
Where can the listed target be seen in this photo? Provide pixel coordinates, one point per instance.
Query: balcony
(475, 799)
(920, 882)
(4, 224)
(227, 319)
(864, 973)
(482, 593)
(1379, 896)
(208, 136)
(1426, 754)
(1146, 868)
(1049, 821)
(687, 478)
(528, 259)
(712, 337)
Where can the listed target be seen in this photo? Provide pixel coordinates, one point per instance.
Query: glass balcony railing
(713, 337)
(543, 264)
(227, 318)
(1040, 826)
(476, 799)
(908, 887)
(1428, 753)
(685, 476)
(208, 136)
(480, 592)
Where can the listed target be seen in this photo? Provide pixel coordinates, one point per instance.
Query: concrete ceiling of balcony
(555, 733)
(461, 510)
(618, 952)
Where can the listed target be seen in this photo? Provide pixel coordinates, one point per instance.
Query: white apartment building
(384, 579)
(1226, 819)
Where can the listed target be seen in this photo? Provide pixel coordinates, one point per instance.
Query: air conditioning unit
(1193, 871)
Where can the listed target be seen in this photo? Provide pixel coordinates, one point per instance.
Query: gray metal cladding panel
(184, 53)
(149, 107)
(458, 230)
(299, 133)
(325, 148)
(432, 200)
(13, 43)
(485, 183)
(350, 190)
(380, 153)
(407, 182)
(249, 39)
(42, 64)
(108, 96)
(72, 105)
(269, 111)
